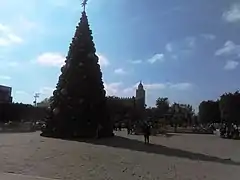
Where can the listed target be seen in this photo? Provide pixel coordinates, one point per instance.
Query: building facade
(5, 94)
(138, 100)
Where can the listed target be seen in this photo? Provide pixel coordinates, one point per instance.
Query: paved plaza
(176, 157)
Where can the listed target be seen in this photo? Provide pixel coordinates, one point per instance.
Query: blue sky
(187, 50)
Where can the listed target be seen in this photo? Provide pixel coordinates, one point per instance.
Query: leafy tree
(209, 112)
(187, 112)
(162, 106)
(79, 102)
(152, 113)
(181, 114)
(17, 112)
(195, 120)
(176, 116)
(229, 106)
(45, 102)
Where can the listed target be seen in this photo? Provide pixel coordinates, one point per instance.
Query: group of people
(117, 127)
(229, 131)
(145, 129)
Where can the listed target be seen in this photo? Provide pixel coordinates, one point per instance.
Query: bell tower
(140, 96)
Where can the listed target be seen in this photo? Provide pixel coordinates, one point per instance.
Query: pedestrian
(147, 132)
(98, 131)
(129, 128)
(119, 126)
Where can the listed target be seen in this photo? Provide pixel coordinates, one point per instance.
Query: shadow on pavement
(135, 145)
(16, 132)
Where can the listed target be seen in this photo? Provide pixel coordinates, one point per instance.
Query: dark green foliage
(16, 112)
(152, 113)
(181, 115)
(123, 109)
(230, 107)
(78, 105)
(162, 107)
(209, 112)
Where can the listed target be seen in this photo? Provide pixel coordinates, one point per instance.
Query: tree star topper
(84, 3)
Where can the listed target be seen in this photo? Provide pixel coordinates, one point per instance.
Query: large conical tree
(78, 105)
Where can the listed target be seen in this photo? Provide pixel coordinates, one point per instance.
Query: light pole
(36, 96)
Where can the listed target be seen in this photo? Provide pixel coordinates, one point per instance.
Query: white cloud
(128, 91)
(103, 60)
(169, 47)
(29, 25)
(230, 65)
(4, 42)
(7, 37)
(56, 59)
(5, 65)
(160, 86)
(155, 58)
(12, 64)
(182, 48)
(50, 59)
(20, 92)
(120, 71)
(175, 57)
(232, 14)
(208, 36)
(180, 86)
(191, 42)
(113, 88)
(136, 62)
(3, 77)
(14, 39)
(26, 26)
(229, 48)
(46, 91)
(155, 86)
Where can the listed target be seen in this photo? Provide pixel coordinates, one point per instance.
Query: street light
(36, 96)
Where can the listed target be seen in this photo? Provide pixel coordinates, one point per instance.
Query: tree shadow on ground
(135, 145)
(15, 132)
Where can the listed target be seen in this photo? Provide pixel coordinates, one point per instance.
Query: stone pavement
(176, 157)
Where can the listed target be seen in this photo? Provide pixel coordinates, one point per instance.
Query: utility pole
(36, 96)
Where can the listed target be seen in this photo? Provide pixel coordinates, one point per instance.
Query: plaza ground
(178, 157)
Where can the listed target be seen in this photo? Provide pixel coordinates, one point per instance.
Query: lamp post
(36, 96)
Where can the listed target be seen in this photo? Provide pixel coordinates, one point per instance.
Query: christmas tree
(78, 106)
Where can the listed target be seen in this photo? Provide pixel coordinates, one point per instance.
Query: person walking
(146, 132)
(129, 127)
(98, 131)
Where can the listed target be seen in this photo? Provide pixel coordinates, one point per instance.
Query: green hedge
(17, 111)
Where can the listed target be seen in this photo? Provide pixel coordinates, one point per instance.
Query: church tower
(140, 96)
